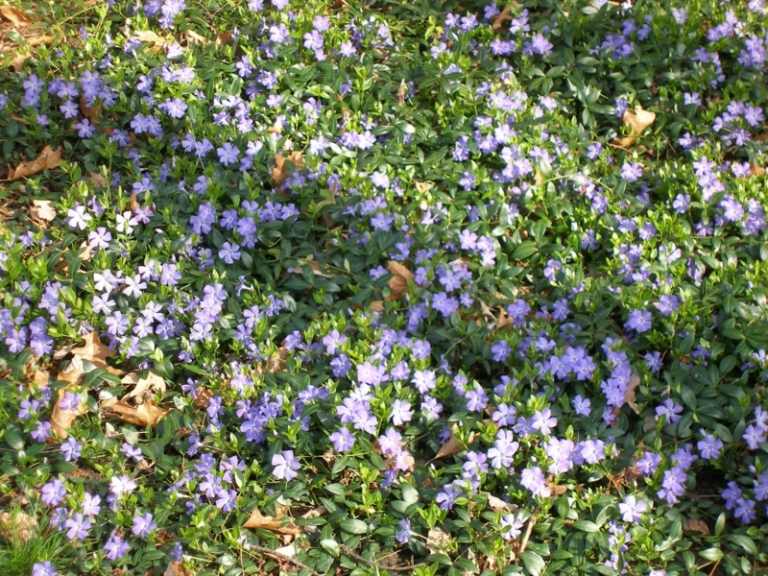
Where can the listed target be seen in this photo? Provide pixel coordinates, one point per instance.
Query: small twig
(527, 535)
(349, 552)
(714, 568)
(280, 556)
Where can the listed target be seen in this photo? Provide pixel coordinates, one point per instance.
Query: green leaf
(745, 542)
(533, 562)
(586, 526)
(331, 546)
(712, 554)
(525, 250)
(354, 526)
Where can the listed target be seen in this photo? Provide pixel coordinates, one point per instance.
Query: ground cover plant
(383, 287)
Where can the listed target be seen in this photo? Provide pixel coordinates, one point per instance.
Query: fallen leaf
(498, 504)
(402, 92)
(146, 414)
(14, 16)
(195, 38)
(377, 306)
(501, 17)
(73, 372)
(177, 568)
(452, 446)
(557, 489)
(280, 170)
(696, 525)
(42, 211)
(438, 541)
(40, 378)
(143, 387)
(637, 120)
(277, 360)
(756, 170)
(48, 159)
(93, 113)
(17, 526)
(631, 391)
(398, 282)
(93, 350)
(62, 418)
(271, 523)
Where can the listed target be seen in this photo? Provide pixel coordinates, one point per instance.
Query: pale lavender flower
(285, 465)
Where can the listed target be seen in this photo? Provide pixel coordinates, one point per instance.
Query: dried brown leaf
(452, 446)
(501, 17)
(278, 171)
(398, 282)
(93, 350)
(438, 541)
(42, 211)
(147, 414)
(637, 120)
(631, 392)
(48, 159)
(144, 387)
(93, 113)
(177, 568)
(62, 418)
(271, 523)
(696, 525)
(15, 16)
(17, 526)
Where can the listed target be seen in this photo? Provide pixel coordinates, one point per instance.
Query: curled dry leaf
(42, 211)
(92, 112)
(696, 525)
(277, 360)
(93, 350)
(501, 17)
(637, 120)
(631, 392)
(144, 387)
(48, 159)
(151, 38)
(14, 15)
(452, 446)
(498, 504)
(177, 568)
(398, 282)
(62, 417)
(280, 169)
(17, 526)
(271, 523)
(438, 541)
(147, 414)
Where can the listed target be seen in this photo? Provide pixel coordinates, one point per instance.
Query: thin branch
(349, 552)
(280, 556)
(527, 535)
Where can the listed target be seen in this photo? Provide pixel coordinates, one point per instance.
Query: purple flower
(672, 485)
(403, 533)
(343, 440)
(504, 449)
(401, 412)
(533, 480)
(143, 524)
(500, 350)
(639, 320)
(709, 447)
(543, 421)
(285, 465)
(116, 547)
(77, 526)
(632, 508)
(53, 492)
(424, 380)
(582, 406)
(44, 569)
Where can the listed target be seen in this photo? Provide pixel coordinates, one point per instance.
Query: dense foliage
(386, 287)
